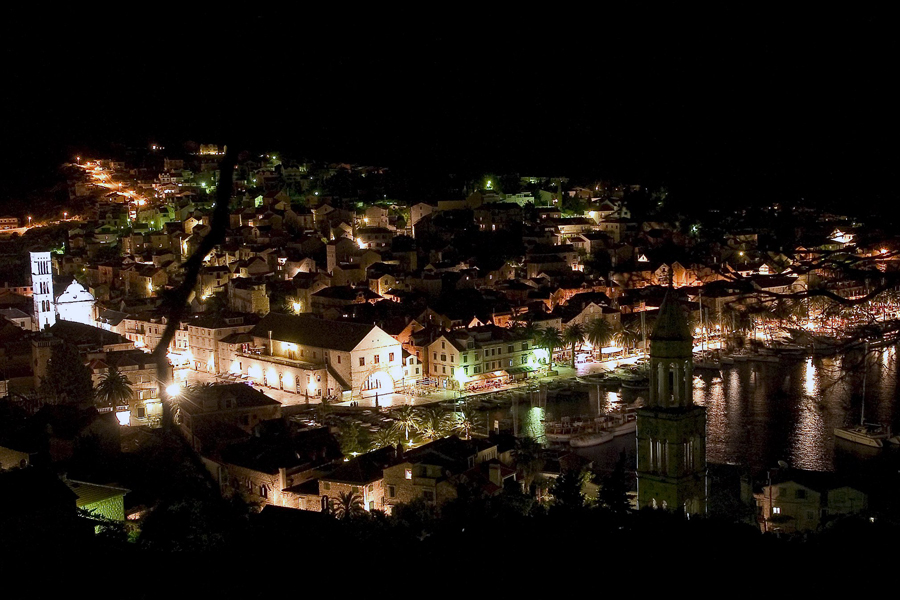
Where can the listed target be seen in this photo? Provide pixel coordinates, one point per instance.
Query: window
(435, 356)
(443, 358)
(354, 490)
(509, 349)
(465, 358)
(390, 357)
(327, 485)
(428, 495)
(776, 510)
(362, 361)
(377, 358)
(141, 412)
(408, 473)
(392, 491)
(371, 488)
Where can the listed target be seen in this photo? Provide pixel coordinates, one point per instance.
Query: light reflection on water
(757, 413)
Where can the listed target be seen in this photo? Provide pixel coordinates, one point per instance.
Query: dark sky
(732, 106)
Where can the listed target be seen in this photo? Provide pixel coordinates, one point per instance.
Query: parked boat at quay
(867, 434)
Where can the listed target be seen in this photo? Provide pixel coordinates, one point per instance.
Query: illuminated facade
(44, 314)
(671, 429)
(76, 304)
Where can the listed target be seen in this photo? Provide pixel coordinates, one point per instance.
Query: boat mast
(862, 411)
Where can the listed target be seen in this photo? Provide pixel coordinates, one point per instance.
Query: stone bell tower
(44, 314)
(671, 429)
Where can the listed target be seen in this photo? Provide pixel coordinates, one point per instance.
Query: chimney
(495, 476)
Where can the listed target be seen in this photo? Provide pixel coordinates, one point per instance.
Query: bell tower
(44, 314)
(671, 429)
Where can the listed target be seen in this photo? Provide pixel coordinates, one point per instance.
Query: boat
(867, 434)
(625, 423)
(707, 360)
(595, 438)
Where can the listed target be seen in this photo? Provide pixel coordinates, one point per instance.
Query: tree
(434, 423)
(550, 339)
(407, 419)
(629, 334)
(529, 459)
(600, 333)
(389, 436)
(350, 439)
(114, 388)
(467, 420)
(68, 379)
(567, 489)
(573, 335)
(347, 505)
(613, 494)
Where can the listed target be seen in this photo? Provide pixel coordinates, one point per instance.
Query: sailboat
(867, 434)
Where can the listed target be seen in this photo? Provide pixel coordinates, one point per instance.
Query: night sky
(739, 106)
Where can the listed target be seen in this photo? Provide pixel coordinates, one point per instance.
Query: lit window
(776, 510)
(408, 473)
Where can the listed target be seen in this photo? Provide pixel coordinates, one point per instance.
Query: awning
(484, 376)
(519, 371)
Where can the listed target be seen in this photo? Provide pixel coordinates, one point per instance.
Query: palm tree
(529, 459)
(347, 505)
(467, 420)
(114, 388)
(600, 333)
(573, 335)
(550, 339)
(434, 423)
(407, 419)
(389, 436)
(628, 335)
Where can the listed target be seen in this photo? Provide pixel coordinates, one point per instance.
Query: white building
(305, 355)
(76, 304)
(44, 314)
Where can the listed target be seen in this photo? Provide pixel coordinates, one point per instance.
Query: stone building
(671, 429)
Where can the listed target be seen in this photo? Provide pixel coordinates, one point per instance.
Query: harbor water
(758, 413)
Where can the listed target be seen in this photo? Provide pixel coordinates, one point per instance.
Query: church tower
(671, 429)
(44, 314)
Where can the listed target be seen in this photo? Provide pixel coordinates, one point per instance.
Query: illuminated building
(76, 304)
(44, 314)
